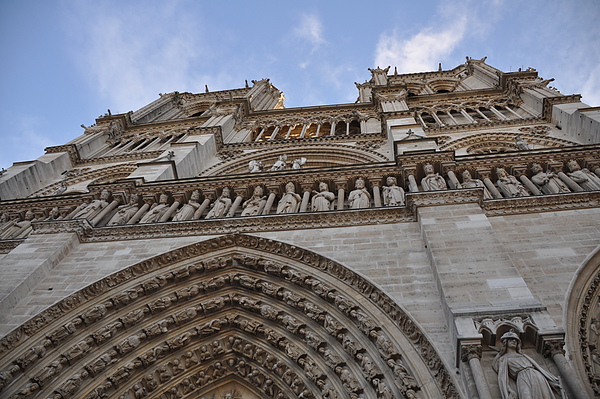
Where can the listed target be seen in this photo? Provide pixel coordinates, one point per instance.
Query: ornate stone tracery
(155, 317)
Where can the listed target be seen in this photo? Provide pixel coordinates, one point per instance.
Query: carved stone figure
(125, 212)
(509, 185)
(290, 201)
(432, 180)
(359, 197)
(156, 212)
(522, 144)
(187, 211)
(321, 201)
(469, 182)
(220, 206)
(255, 166)
(54, 214)
(298, 163)
(548, 182)
(94, 207)
(280, 164)
(582, 176)
(392, 194)
(519, 376)
(254, 205)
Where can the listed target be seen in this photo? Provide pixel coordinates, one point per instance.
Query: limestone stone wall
(547, 248)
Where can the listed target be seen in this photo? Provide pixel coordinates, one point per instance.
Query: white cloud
(130, 57)
(310, 29)
(424, 50)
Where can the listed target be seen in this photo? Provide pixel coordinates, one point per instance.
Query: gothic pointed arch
(321, 156)
(582, 315)
(236, 312)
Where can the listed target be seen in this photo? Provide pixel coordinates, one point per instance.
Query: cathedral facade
(438, 238)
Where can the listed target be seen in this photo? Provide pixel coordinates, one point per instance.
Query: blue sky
(64, 63)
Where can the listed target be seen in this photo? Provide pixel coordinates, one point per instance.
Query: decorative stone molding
(233, 294)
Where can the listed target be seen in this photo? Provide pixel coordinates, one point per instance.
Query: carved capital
(468, 352)
(518, 170)
(553, 346)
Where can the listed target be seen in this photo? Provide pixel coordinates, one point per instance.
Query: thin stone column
(376, 191)
(482, 115)
(306, 188)
(318, 130)
(519, 171)
(172, 209)
(413, 187)
(498, 114)
(203, 206)
(471, 354)
(260, 134)
(467, 116)
(452, 180)
(451, 117)
(332, 132)
(485, 176)
(303, 130)
(569, 182)
(273, 190)
(554, 348)
(287, 136)
(236, 202)
(340, 187)
(104, 212)
(138, 215)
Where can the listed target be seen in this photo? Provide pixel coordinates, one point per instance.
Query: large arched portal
(236, 315)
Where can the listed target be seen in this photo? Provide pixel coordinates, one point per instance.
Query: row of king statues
(102, 211)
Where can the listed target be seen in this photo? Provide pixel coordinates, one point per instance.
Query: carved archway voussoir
(295, 301)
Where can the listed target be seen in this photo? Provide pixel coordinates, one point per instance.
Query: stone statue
(94, 207)
(54, 214)
(548, 182)
(586, 179)
(359, 197)
(156, 212)
(290, 201)
(187, 211)
(60, 189)
(298, 163)
(469, 182)
(432, 180)
(509, 185)
(220, 206)
(392, 194)
(125, 212)
(280, 164)
(321, 201)
(256, 204)
(519, 376)
(255, 166)
(522, 144)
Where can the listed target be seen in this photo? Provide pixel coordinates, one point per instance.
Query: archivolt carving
(583, 321)
(281, 320)
(317, 155)
(505, 139)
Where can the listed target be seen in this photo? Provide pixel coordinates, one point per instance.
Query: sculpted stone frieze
(341, 317)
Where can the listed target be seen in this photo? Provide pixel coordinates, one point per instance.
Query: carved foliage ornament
(167, 308)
